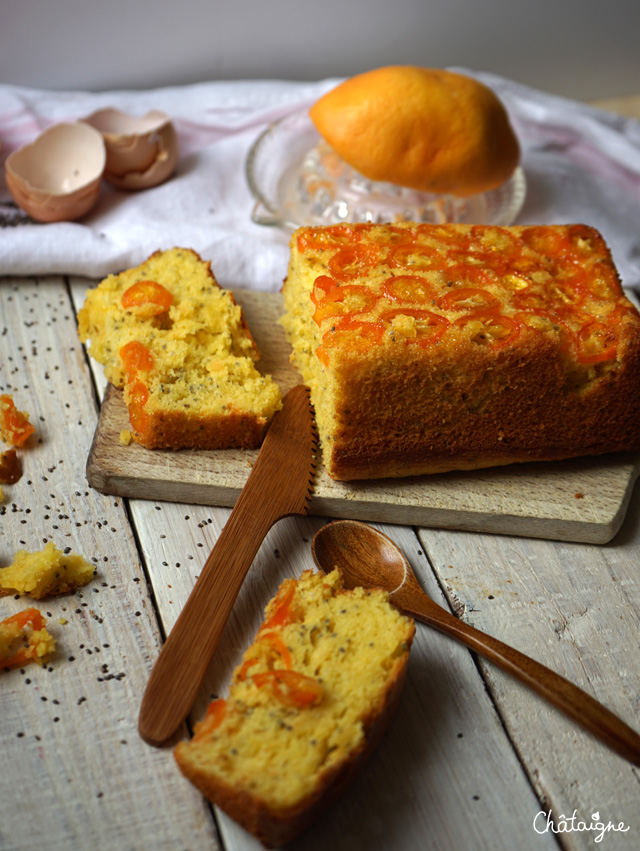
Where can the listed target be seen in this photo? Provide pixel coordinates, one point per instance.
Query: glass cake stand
(297, 179)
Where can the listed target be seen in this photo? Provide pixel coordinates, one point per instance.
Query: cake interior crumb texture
(431, 348)
(179, 346)
(303, 704)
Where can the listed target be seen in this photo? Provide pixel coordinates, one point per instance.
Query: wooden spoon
(280, 484)
(368, 558)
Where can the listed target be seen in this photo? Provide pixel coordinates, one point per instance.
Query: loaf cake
(178, 345)
(308, 703)
(430, 348)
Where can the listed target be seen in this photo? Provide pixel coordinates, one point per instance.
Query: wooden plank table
(472, 761)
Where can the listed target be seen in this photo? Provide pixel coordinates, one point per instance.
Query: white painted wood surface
(74, 773)
(471, 758)
(576, 608)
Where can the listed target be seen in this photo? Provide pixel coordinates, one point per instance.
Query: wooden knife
(280, 484)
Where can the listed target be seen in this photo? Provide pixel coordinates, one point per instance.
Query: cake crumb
(45, 573)
(24, 638)
(125, 437)
(15, 427)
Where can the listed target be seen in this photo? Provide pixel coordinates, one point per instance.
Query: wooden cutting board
(581, 499)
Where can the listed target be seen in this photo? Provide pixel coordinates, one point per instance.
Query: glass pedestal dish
(297, 179)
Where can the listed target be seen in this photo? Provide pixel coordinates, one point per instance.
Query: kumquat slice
(492, 329)
(276, 645)
(546, 241)
(449, 236)
(17, 637)
(281, 609)
(410, 288)
(391, 234)
(137, 398)
(350, 330)
(350, 262)
(327, 237)
(429, 327)
(596, 342)
(465, 275)
(214, 716)
(322, 286)
(415, 256)
(345, 301)
(290, 687)
(147, 299)
(470, 299)
(136, 358)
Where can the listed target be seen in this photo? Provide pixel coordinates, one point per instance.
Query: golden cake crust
(437, 348)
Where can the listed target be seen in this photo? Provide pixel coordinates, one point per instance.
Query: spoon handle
(573, 701)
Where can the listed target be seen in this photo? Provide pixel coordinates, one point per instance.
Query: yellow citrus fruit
(428, 129)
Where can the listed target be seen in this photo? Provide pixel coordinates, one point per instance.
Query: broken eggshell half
(141, 152)
(57, 176)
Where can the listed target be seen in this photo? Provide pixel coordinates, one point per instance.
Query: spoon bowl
(369, 558)
(363, 555)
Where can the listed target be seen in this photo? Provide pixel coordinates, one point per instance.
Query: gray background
(577, 48)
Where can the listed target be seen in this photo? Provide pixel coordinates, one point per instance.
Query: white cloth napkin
(581, 165)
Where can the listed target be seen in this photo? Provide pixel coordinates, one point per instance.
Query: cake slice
(431, 348)
(179, 347)
(306, 706)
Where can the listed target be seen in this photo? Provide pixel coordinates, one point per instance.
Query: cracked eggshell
(57, 177)
(141, 152)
